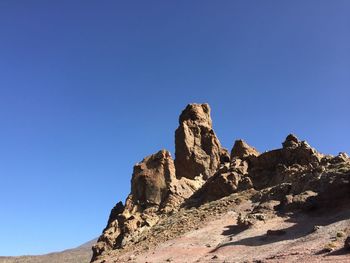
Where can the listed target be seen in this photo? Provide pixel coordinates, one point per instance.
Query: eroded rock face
(266, 169)
(155, 190)
(151, 179)
(197, 149)
(229, 178)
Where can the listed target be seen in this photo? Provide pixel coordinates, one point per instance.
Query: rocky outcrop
(155, 190)
(151, 179)
(229, 178)
(293, 178)
(242, 150)
(267, 169)
(198, 151)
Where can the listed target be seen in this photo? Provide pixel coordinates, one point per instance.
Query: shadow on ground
(303, 225)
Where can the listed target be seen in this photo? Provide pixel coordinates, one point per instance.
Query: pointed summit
(291, 141)
(242, 150)
(198, 151)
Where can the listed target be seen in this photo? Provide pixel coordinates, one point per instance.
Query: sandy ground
(222, 240)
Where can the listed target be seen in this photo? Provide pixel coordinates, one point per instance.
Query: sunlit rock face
(155, 190)
(198, 151)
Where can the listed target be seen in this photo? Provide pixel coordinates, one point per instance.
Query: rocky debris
(198, 151)
(250, 219)
(303, 201)
(174, 225)
(242, 150)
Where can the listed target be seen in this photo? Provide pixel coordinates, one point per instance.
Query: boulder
(198, 151)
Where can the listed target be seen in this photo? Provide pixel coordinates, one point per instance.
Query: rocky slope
(289, 204)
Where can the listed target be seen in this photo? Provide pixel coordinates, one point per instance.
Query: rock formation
(265, 169)
(293, 178)
(154, 190)
(151, 179)
(197, 149)
(242, 150)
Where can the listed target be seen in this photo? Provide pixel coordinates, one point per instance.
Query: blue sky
(88, 88)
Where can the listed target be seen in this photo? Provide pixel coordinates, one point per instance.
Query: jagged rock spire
(198, 151)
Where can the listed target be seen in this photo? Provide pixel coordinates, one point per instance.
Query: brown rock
(302, 201)
(197, 149)
(242, 150)
(291, 141)
(150, 186)
(152, 177)
(229, 179)
(154, 190)
(266, 169)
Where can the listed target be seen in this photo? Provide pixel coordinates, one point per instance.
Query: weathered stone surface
(265, 169)
(303, 201)
(197, 149)
(230, 178)
(152, 177)
(154, 190)
(291, 141)
(242, 150)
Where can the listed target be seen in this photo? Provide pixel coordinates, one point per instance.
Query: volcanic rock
(242, 150)
(198, 151)
(266, 169)
(151, 179)
(229, 178)
(204, 180)
(154, 190)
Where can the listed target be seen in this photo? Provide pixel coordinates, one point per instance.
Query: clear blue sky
(88, 88)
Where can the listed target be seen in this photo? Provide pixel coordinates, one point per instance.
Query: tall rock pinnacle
(197, 149)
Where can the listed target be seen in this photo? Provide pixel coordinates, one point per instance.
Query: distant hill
(81, 254)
